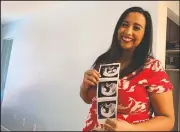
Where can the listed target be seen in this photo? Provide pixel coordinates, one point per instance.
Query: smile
(126, 39)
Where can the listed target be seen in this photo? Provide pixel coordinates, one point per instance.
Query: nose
(128, 31)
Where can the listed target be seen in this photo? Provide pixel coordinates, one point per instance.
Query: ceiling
(14, 10)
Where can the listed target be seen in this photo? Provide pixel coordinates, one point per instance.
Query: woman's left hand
(117, 125)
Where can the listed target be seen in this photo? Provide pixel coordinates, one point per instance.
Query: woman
(144, 87)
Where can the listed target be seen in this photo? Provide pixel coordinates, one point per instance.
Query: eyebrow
(134, 24)
(138, 24)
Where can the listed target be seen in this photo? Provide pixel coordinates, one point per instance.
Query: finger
(89, 72)
(108, 127)
(97, 73)
(111, 122)
(92, 79)
(93, 73)
(89, 82)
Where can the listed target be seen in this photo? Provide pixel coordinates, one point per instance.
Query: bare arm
(91, 77)
(164, 114)
(83, 94)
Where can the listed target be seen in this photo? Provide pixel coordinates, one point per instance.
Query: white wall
(51, 52)
(173, 5)
(173, 10)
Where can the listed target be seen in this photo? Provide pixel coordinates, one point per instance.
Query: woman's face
(131, 32)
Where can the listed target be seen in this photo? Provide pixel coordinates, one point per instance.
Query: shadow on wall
(23, 115)
(45, 103)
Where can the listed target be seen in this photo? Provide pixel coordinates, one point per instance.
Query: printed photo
(110, 70)
(107, 109)
(107, 89)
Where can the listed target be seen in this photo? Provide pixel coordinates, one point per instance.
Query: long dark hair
(142, 51)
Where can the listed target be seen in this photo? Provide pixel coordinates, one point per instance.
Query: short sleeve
(158, 80)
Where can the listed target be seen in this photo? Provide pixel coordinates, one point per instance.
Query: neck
(126, 58)
(126, 55)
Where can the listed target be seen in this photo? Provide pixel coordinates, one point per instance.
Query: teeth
(127, 39)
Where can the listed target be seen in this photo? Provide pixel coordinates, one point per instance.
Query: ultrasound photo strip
(107, 91)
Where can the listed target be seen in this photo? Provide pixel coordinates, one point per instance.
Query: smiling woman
(144, 87)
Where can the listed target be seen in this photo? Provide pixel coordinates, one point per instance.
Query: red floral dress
(133, 94)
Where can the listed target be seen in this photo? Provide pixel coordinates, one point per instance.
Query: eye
(136, 28)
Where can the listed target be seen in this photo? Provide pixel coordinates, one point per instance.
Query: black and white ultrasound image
(107, 109)
(109, 71)
(107, 89)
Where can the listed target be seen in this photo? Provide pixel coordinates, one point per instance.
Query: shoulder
(153, 64)
(151, 60)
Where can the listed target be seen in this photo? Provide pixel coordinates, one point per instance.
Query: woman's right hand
(91, 78)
